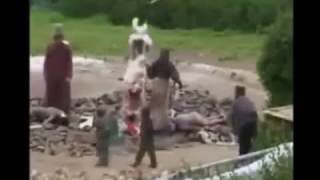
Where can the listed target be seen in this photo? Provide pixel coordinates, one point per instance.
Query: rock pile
(59, 174)
(200, 101)
(65, 174)
(55, 136)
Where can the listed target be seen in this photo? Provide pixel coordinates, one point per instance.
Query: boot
(153, 166)
(134, 165)
(102, 162)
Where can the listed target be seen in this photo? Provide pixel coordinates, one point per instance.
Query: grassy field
(96, 36)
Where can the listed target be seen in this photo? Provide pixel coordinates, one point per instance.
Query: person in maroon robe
(58, 72)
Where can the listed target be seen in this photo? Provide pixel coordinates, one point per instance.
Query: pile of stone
(66, 174)
(199, 101)
(75, 134)
(59, 174)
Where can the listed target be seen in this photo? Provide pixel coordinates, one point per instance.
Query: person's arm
(229, 118)
(95, 121)
(147, 121)
(174, 74)
(150, 70)
(216, 122)
(69, 64)
(45, 65)
(212, 121)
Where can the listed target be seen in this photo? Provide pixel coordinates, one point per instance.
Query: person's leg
(67, 99)
(254, 129)
(139, 156)
(244, 139)
(234, 138)
(64, 96)
(152, 156)
(52, 90)
(104, 157)
(103, 151)
(246, 135)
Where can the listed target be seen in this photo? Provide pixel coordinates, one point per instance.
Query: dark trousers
(103, 155)
(102, 147)
(247, 133)
(150, 149)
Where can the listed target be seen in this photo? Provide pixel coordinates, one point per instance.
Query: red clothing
(58, 94)
(57, 68)
(132, 128)
(58, 61)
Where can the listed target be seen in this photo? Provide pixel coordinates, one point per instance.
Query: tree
(275, 65)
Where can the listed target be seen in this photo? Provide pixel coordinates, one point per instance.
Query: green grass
(96, 36)
(270, 134)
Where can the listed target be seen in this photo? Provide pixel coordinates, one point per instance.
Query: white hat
(58, 29)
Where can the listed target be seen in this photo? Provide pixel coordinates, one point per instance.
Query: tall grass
(270, 134)
(96, 36)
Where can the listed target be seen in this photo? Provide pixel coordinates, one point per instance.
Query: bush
(83, 8)
(56, 18)
(275, 64)
(271, 134)
(218, 14)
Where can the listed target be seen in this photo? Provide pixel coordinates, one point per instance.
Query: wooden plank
(283, 113)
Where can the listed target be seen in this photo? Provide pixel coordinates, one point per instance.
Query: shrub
(275, 64)
(218, 14)
(80, 8)
(56, 18)
(272, 134)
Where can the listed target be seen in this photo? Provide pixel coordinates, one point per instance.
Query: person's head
(101, 110)
(58, 34)
(240, 91)
(164, 54)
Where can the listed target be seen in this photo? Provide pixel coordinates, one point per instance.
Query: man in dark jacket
(161, 71)
(164, 68)
(146, 141)
(243, 119)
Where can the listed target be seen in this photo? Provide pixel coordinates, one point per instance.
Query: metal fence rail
(211, 169)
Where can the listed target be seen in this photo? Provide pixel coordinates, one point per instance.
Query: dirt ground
(174, 159)
(93, 78)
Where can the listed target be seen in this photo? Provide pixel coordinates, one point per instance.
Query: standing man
(243, 118)
(161, 71)
(146, 141)
(106, 129)
(58, 71)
